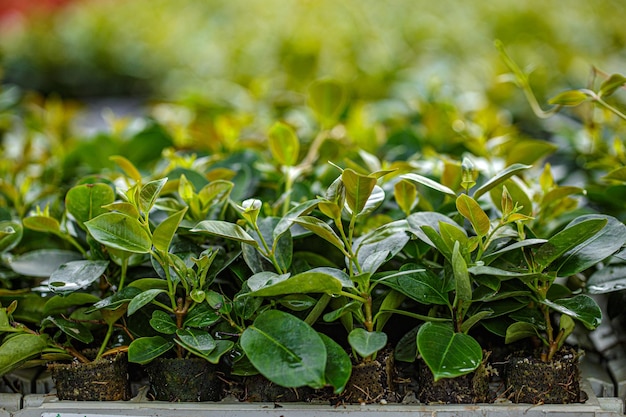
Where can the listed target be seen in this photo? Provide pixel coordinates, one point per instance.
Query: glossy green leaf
(446, 353)
(124, 208)
(321, 229)
(580, 307)
(471, 210)
(351, 307)
(384, 242)
(327, 99)
(284, 144)
(610, 239)
(75, 275)
(86, 201)
(419, 284)
(202, 315)
(114, 301)
(61, 303)
(463, 284)
(286, 350)
(297, 302)
(358, 189)
(143, 299)
(611, 84)
(520, 330)
(226, 230)
(222, 346)
(16, 350)
(292, 215)
(165, 231)
(567, 239)
(338, 365)
(420, 179)
(10, 235)
(163, 322)
(569, 98)
(145, 349)
(43, 262)
(196, 340)
(451, 234)
(73, 329)
(149, 193)
(120, 231)
(366, 343)
(317, 280)
(512, 247)
(499, 179)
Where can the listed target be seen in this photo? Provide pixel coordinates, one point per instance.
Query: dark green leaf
(120, 231)
(73, 329)
(316, 280)
(520, 330)
(499, 179)
(20, 348)
(580, 307)
(418, 284)
(145, 349)
(285, 350)
(446, 353)
(142, 299)
(163, 322)
(358, 189)
(608, 279)
(195, 340)
(286, 221)
(10, 235)
(165, 231)
(338, 364)
(226, 230)
(60, 304)
(201, 316)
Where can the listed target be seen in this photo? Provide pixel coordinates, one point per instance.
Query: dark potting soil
(467, 389)
(103, 380)
(530, 380)
(184, 379)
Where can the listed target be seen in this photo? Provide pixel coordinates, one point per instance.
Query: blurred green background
(237, 53)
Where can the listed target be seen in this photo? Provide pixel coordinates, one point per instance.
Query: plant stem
(106, 339)
(316, 311)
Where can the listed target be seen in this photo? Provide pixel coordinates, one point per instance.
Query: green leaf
(120, 231)
(10, 235)
(462, 282)
(338, 365)
(520, 330)
(580, 307)
(297, 302)
(380, 244)
(43, 262)
(405, 195)
(142, 299)
(611, 84)
(163, 322)
(618, 174)
(518, 195)
(358, 189)
(321, 229)
(43, 224)
(499, 179)
(317, 280)
(126, 166)
(327, 99)
(420, 179)
(75, 275)
(284, 144)
(594, 250)
(527, 151)
(221, 347)
(149, 193)
(292, 215)
(470, 209)
(145, 349)
(73, 329)
(569, 98)
(16, 350)
(566, 240)
(201, 316)
(114, 301)
(195, 340)
(446, 353)
(226, 230)
(60, 304)
(165, 231)
(419, 284)
(286, 350)
(86, 201)
(366, 343)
